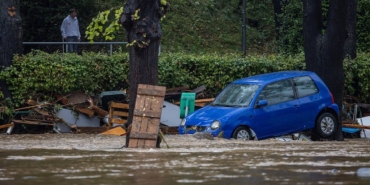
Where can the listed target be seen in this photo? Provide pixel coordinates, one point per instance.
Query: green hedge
(215, 71)
(46, 74)
(41, 73)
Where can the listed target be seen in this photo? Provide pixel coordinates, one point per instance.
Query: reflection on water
(145, 167)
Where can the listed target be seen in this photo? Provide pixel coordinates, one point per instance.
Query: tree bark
(141, 20)
(324, 49)
(277, 11)
(10, 37)
(350, 43)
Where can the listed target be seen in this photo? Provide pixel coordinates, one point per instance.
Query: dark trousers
(72, 47)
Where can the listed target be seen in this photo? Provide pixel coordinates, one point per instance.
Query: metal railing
(65, 44)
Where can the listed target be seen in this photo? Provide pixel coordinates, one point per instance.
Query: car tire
(242, 133)
(326, 125)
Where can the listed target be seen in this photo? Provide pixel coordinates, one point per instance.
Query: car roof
(272, 77)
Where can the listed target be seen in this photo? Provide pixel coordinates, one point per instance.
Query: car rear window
(305, 86)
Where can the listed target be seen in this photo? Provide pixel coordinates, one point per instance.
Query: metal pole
(244, 29)
(111, 49)
(63, 44)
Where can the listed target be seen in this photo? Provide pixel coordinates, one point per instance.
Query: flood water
(241, 166)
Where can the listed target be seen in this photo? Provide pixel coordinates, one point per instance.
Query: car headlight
(215, 125)
(183, 121)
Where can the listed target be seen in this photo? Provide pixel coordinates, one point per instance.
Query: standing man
(70, 30)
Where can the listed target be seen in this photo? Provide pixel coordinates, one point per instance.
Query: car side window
(305, 86)
(277, 92)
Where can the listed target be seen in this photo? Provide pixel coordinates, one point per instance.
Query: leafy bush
(215, 71)
(42, 73)
(357, 77)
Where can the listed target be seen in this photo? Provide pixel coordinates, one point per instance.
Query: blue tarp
(350, 130)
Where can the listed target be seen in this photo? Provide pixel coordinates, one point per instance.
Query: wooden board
(147, 114)
(356, 126)
(6, 125)
(118, 131)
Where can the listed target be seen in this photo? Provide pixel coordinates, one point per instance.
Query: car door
(309, 99)
(282, 113)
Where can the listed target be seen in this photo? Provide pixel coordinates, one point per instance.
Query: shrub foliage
(39, 73)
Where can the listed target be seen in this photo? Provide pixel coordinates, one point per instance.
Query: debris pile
(355, 118)
(78, 112)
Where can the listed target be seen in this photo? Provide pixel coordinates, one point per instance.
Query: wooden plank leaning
(146, 118)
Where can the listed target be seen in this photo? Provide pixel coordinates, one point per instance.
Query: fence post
(63, 44)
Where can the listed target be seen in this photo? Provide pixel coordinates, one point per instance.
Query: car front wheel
(242, 133)
(326, 125)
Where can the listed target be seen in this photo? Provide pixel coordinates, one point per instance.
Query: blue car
(266, 106)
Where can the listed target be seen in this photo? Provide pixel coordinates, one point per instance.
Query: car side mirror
(261, 103)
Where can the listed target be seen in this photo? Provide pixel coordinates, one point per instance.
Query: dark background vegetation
(201, 45)
(201, 29)
(190, 26)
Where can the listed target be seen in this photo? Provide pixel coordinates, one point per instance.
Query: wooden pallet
(118, 109)
(146, 118)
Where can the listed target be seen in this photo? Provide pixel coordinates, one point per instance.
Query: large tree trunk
(351, 21)
(277, 11)
(324, 52)
(10, 36)
(141, 19)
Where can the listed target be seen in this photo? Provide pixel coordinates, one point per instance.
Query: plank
(146, 119)
(149, 92)
(120, 113)
(356, 126)
(6, 125)
(144, 104)
(177, 89)
(85, 110)
(42, 112)
(118, 121)
(153, 126)
(119, 105)
(32, 123)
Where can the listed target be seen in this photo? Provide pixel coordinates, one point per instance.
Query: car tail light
(332, 98)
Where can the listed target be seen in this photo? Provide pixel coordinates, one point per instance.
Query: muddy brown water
(97, 159)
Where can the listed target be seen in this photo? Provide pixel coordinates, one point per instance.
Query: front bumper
(192, 129)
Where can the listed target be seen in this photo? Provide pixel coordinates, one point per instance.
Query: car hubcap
(327, 125)
(243, 135)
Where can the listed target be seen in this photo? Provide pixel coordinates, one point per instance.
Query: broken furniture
(146, 119)
(118, 114)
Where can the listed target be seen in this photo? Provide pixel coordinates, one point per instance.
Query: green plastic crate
(187, 104)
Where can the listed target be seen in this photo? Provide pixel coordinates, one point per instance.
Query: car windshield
(236, 95)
